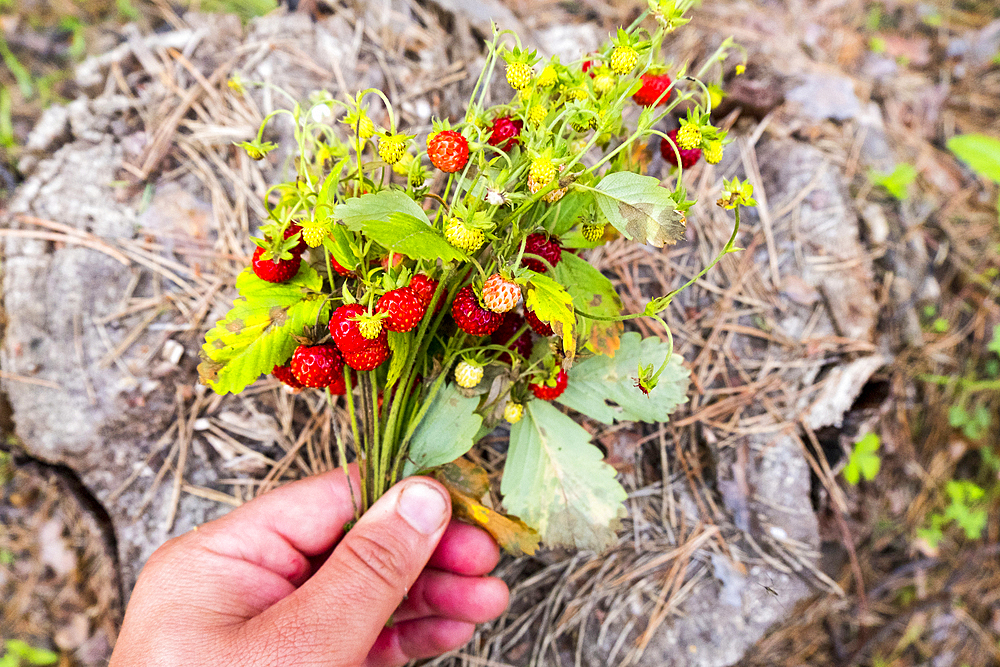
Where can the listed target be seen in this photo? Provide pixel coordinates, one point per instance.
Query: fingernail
(423, 506)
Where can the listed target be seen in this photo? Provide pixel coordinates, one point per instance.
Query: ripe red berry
(512, 323)
(345, 331)
(275, 272)
(317, 365)
(653, 86)
(338, 387)
(285, 374)
(425, 288)
(339, 268)
(403, 308)
(547, 392)
(448, 151)
(471, 317)
(543, 246)
(505, 133)
(539, 327)
(292, 230)
(688, 157)
(371, 358)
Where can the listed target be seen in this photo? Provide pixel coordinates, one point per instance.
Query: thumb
(339, 612)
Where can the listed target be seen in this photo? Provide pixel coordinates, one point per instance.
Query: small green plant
(17, 653)
(967, 505)
(7, 557)
(865, 461)
(971, 411)
(897, 182)
(981, 153)
(6, 468)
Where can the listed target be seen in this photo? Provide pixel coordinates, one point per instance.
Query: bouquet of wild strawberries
(439, 302)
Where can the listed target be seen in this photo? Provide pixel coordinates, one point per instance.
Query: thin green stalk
(358, 445)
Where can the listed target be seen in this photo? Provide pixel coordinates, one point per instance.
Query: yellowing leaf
(553, 305)
(592, 293)
(640, 208)
(256, 335)
(466, 484)
(558, 483)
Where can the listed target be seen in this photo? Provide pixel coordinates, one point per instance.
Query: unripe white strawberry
(467, 374)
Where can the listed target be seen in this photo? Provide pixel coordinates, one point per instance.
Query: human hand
(277, 582)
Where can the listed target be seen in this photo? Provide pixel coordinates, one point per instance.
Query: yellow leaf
(466, 483)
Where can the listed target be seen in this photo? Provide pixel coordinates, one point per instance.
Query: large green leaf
(592, 293)
(378, 206)
(640, 208)
(446, 431)
(553, 305)
(557, 482)
(412, 237)
(257, 332)
(568, 211)
(980, 152)
(597, 382)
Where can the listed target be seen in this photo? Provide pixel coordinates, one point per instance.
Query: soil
(744, 544)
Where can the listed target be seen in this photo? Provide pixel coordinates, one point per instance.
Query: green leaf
(256, 334)
(553, 305)
(597, 382)
(341, 247)
(407, 235)
(446, 432)
(568, 211)
(864, 461)
(355, 212)
(640, 208)
(557, 482)
(399, 344)
(897, 182)
(36, 656)
(957, 416)
(593, 293)
(980, 152)
(994, 345)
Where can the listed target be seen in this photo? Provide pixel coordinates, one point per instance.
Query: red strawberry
(505, 133)
(472, 318)
(586, 67)
(512, 323)
(275, 272)
(688, 157)
(547, 392)
(345, 331)
(317, 365)
(425, 288)
(285, 374)
(403, 308)
(448, 151)
(371, 358)
(543, 246)
(539, 327)
(292, 230)
(338, 387)
(339, 268)
(653, 86)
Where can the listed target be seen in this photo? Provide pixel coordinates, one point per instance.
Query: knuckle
(381, 560)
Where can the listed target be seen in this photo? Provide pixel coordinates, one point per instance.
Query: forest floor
(921, 565)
